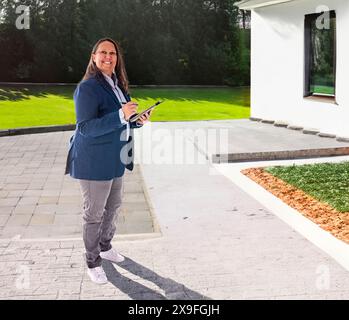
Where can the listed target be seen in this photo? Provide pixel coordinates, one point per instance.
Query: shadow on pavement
(136, 291)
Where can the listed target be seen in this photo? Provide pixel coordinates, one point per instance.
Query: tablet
(138, 115)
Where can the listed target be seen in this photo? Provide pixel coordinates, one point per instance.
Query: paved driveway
(217, 241)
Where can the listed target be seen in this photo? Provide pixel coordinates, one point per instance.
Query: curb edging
(279, 155)
(34, 130)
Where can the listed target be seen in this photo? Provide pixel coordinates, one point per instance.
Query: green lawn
(322, 89)
(46, 105)
(326, 182)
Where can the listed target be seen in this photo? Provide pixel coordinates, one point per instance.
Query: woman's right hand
(129, 109)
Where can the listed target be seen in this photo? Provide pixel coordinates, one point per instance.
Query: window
(320, 54)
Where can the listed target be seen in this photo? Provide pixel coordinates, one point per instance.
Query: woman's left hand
(144, 119)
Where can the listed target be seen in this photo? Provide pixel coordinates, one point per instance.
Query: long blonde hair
(120, 70)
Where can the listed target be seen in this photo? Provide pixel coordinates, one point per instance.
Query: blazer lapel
(107, 87)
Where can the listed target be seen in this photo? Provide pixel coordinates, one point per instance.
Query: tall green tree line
(164, 41)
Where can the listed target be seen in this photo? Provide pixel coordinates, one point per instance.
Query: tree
(164, 41)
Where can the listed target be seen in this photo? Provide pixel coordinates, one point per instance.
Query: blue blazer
(98, 149)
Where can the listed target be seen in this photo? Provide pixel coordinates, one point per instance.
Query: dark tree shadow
(239, 96)
(20, 92)
(172, 289)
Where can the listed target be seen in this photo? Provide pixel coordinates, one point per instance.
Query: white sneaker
(112, 255)
(97, 275)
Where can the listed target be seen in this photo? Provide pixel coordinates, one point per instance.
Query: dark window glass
(320, 37)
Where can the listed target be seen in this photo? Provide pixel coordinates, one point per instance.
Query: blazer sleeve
(88, 123)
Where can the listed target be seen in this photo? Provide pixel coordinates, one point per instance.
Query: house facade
(300, 63)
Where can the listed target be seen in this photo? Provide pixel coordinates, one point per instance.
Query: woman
(101, 149)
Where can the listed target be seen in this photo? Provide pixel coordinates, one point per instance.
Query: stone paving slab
(37, 200)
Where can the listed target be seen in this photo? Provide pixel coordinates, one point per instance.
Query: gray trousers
(101, 206)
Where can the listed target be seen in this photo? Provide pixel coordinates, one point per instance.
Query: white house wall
(277, 66)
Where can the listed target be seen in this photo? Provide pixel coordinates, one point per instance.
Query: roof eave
(253, 4)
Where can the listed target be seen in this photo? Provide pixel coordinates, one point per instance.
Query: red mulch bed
(329, 219)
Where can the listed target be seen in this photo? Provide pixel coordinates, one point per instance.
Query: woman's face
(105, 57)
